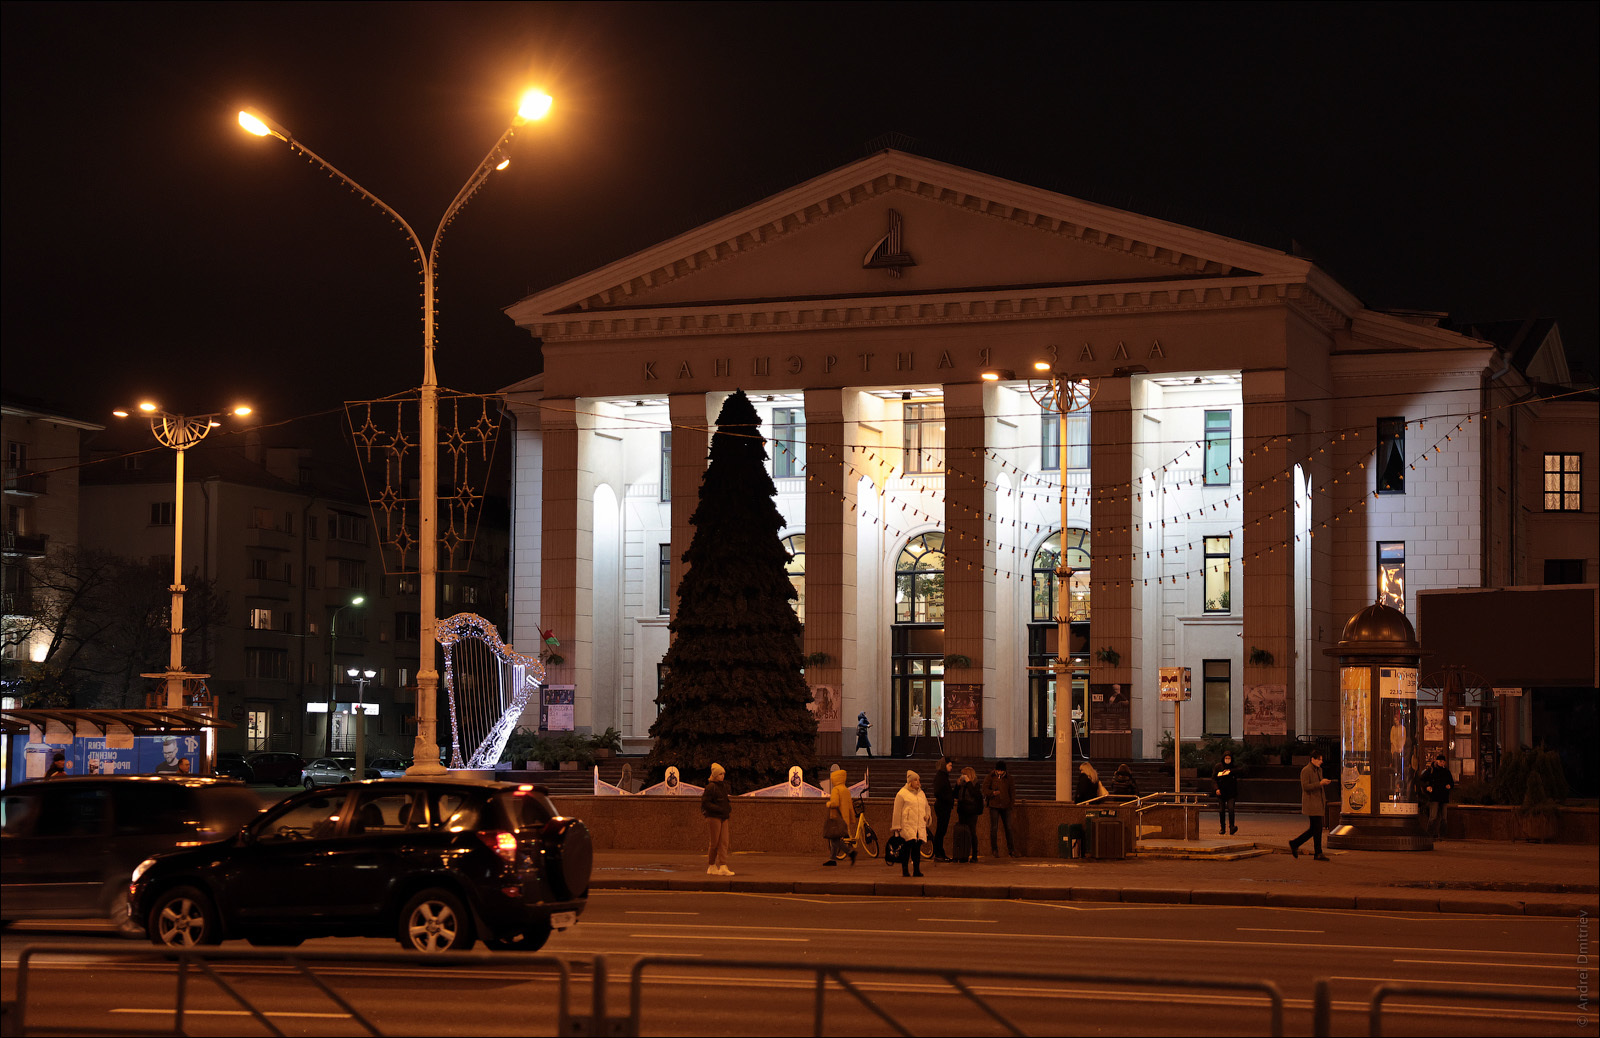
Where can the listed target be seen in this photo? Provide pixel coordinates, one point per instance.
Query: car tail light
(502, 843)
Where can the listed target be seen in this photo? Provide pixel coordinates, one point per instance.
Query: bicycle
(864, 838)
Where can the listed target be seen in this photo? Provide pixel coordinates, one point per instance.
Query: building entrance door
(917, 692)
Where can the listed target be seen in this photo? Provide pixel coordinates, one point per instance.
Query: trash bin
(1070, 838)
(1106, 840)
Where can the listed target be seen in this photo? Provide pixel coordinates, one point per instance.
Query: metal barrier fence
(855, 982)
(960, 980)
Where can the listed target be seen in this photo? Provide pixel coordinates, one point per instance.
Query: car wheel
(183, 917)
(309, 783)
(435, 921)
(529, 940)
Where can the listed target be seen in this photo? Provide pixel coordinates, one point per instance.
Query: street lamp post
(1063, 394)
(534, 105)
(361, 677)
(333, 671)
(179, 432)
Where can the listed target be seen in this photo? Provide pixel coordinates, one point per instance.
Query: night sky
(1436, 157)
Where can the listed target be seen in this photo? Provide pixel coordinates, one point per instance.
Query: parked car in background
(234, 765)
(391, 767)
(279, 767)
(68, 846)
(330, 771)
(435, 864)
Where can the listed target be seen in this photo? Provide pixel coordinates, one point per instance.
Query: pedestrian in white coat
(910, 822)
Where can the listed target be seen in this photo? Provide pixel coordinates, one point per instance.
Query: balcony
(267, 537)
(25, 484)
(264, 587)
(24, 546)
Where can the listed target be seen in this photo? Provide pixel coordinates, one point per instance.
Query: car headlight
(141, 869)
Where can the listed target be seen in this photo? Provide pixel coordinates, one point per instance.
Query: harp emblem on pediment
(889, 252)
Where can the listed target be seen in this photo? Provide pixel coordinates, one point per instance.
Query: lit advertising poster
(559, 711)
(1355, 693)
(1357, 791)
(963, 707)
(1397, 682)
(1266, 710)
(1433, 724)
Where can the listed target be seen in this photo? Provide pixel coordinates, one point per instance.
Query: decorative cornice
(968, 307)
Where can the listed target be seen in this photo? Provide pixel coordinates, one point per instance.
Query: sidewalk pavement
(1469, 876)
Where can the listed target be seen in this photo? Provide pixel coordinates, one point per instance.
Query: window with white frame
(664, 606)
(1219, 448)
(1217, 692)
(1050, 440)
(795, 545)
(788, 441)
(666, 465)
(924, 437)
(1219, 576)
(1391, 458)
(257, 728)
(161, 513)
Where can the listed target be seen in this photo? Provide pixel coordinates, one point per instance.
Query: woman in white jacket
(910, 822)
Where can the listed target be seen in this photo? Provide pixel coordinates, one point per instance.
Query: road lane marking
(643, 912)
(1273, 929)
(719, 937)
(941, 919)
(1097, 939)
(239, 1012)
(1459, 983)
(1495, 965)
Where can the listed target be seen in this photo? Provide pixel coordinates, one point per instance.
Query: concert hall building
(1262, 457)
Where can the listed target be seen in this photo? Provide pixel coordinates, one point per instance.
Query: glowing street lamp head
(253, 124)
(120, 413)
(502, 164)
(1041, 365)
(242, 410)
(147, 407)
(535, 104)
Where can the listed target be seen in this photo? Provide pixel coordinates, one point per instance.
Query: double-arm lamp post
(534, 105)
(1063, 394)
(179, 432)
(361, 678)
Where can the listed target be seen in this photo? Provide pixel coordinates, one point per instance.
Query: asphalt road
(695, 994)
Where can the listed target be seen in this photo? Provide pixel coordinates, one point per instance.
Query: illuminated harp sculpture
(487, 685)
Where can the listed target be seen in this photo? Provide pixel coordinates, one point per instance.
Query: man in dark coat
(944, 801)
(1437, 782)
(1227, 796)
(1313, 804)
(1000, 790)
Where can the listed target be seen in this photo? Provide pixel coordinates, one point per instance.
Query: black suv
(70, 843)
(436, 864)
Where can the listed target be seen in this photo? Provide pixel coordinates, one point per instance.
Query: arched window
(1044, 576)
(795, 545)
(919, 581)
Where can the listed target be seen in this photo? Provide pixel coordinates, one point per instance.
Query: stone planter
(569, 765)
(604, 752)
(1537, 826)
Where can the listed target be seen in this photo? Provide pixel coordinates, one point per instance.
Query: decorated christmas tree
(733, 691)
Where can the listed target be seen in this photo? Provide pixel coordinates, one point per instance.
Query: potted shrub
(607, 744)
(570, 752)
(1107, 655)
(1539, 815)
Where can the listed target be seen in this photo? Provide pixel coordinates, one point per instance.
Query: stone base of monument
(1400, 833)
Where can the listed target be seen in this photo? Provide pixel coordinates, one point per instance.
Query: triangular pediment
(896, 225)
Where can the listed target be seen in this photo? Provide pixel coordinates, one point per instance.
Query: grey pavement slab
(1465, 876)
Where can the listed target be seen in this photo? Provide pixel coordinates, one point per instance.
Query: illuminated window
(788, 441)
(919, 580)
(261, 619)
(795, 545)
(1219, 589)
(1563, 476)
(1391, 456)
(924, 437)
(1219, 448)
(257, 729)
(1045, 580)
(1392, 574)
